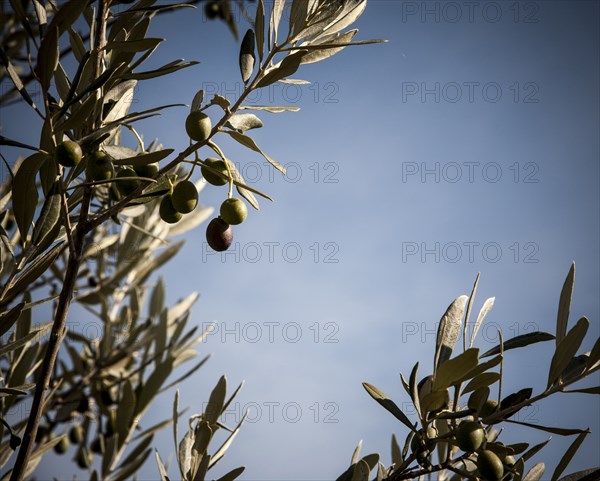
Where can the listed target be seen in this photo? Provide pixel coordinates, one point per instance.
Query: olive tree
(87, 220)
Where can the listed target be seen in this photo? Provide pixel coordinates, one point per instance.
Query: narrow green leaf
(591, 474)
(356, 453)
(272, 109)
(468, 313)
(535, 473)
(333, 45)
(585, 390)
(484, 379)
(285, 68)
(7, 319)
(214, 408)
(249, 142)
(361, 470)
(247, 58)
(564, 305)
(233, 474)
(134, 45)
(535, 449)
(568, 456)
(548, 429)
(566, 349)
(485, 309)
(25, 193)
(521, 341)
(11, 346)
(48, 57)
(49, 216)
(388, 404)
(16, 80)
(515, 398)
(454, 370)
(396, 452)
(276, 13)
(243, 122)
(197, 101)
(35, 270)
(259, 28)
(414, 389)
(435, 400)
(225, 446)
(594, 359)
(175, 422)
(145, 158)
(448, 331)
(164, 70)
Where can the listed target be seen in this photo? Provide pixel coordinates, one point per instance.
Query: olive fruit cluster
(182, 200)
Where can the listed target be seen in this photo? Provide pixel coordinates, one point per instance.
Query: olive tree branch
(120, 205)
(66, 295)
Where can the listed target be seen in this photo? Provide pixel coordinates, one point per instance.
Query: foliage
(81, 222)
(458, 395)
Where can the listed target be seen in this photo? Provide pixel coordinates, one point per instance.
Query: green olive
(198, 126)
(97, 445)
(62, 446)
(147, 170)
(84, 459)
(489, 408)
(185, 197)
(210, 176)
(489, 465)
(126, 187)
(219, 234)
(68, 153)
(76, 434)
(99, 166)
(167, 211)
(234, 211)
(470, 436)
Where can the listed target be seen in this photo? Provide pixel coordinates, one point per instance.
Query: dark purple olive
(219, 234)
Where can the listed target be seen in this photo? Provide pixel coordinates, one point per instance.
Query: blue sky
(466, 144)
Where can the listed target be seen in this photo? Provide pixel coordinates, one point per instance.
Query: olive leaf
(25, 193)
(585, 475)
(247, 56)
(388, 404)
(564, 305)
(448, 331)
(272, 109)
(566, 349)
(456, 369)
(521, 341)
(249, 142)
(485, 309)
(48, 57)
(568, 456)
(535, 473)
(397, 457)
(49, 217)
(276, 12)
(259, 28)
(288, 66)
(243, 122)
